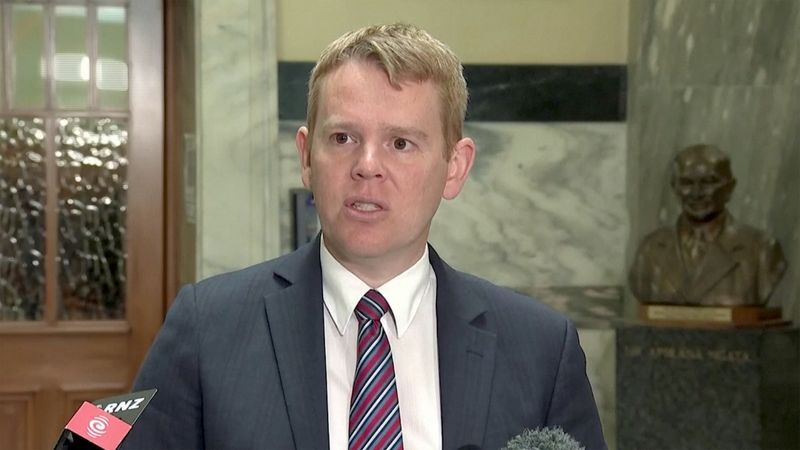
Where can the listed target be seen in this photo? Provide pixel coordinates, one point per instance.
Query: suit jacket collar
(466, 345)
(296, 325)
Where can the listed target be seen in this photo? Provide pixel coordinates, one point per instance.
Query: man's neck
(376, 271)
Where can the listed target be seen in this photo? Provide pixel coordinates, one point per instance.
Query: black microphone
(104, 423)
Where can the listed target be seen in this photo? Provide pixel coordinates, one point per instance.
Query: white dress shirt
(411, 329)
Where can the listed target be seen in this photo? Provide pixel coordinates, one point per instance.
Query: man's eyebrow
(414, 132)
(333, 124)
(408, 131)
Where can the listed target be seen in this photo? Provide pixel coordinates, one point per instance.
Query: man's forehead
(353, 65)
(342, 98)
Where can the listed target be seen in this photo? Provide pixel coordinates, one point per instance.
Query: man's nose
(368, 162)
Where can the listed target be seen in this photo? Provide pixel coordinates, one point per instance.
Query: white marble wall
(237, 115)
(544, 206)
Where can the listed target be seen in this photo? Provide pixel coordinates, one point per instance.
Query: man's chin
(355, 249)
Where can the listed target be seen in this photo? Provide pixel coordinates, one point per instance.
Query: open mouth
(365, 206)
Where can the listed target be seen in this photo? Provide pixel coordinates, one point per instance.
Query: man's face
(376, 165)
(702, 187)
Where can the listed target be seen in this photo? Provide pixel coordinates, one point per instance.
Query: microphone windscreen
(543, 439)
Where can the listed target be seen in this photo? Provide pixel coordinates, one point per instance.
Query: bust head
(703, 181)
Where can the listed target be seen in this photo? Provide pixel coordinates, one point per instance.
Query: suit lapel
(297, 330)
(466, 359)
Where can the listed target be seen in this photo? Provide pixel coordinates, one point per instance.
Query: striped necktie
(374, 409)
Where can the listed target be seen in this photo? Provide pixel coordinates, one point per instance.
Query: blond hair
(405, 53)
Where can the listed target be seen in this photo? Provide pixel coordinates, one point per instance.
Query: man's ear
(303, 143)
(458, 167)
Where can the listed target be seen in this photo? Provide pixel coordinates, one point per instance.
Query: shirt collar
(342, 290)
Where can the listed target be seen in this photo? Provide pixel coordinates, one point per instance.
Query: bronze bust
(706, 258)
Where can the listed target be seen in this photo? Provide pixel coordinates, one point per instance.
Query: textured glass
(28, 56)
(71, 66)
(91, 155)
(22, 218)
(112, 57)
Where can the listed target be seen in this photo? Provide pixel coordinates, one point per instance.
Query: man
(707, 258)
(365, 338)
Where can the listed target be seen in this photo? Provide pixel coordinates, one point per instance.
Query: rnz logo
(123, 406)
(97, 427)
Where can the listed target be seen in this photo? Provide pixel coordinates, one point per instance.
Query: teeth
(362, 206)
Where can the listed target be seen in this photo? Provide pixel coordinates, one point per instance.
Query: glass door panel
(22, 217)
(91, 155)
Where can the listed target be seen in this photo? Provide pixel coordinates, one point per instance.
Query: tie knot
(372, 306)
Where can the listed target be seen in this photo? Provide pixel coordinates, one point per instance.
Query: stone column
(237, 146)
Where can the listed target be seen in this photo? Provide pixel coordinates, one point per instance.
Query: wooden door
(81, 206)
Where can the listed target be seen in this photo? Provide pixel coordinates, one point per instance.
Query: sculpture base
(711, 316)
(708, 389)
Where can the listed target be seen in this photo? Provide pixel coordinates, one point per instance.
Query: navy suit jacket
(240, 363)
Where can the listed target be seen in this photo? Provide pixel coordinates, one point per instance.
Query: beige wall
(479, 31)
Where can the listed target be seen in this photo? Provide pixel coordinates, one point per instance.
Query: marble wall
(725, 72)
(542, 205)
(236, 116)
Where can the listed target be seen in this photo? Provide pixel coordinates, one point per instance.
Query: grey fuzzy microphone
(543, 439)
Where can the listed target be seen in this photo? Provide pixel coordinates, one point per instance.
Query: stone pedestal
(708, 389)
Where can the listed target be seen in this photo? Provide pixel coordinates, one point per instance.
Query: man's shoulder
(507, 304)
(242, 285)
(240, 278)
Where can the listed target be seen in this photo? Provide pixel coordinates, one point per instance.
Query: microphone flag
(98, 427)
(104, 423)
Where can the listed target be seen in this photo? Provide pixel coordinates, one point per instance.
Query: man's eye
(400, 144)
(341, 138)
